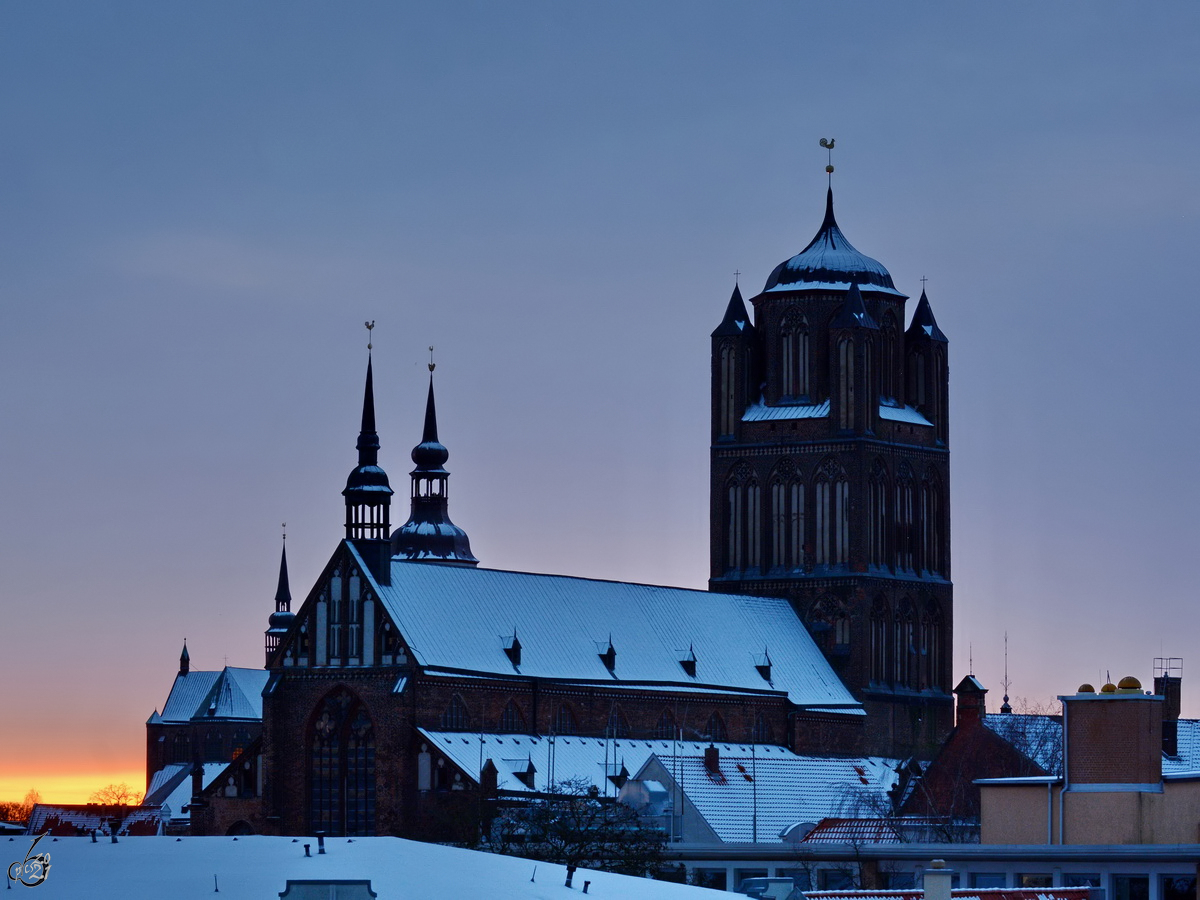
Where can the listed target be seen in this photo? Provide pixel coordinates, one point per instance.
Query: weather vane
(827, 143)
(370, 325)
(432, 365)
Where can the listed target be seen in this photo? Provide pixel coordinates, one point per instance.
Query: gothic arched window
(932, 645)
(905, 646)
(728, 398)
(931, 524)
(905, 518)
(793, 346)
(761, 733)
(878, 522)
(744, 539)
(716, 728)
(214, 747)
(787, 518)
(880, 639)
(455, 717)
(665, 729)
(618, 725)
(832, 515)
(564, 720)
(890, 365)
(241, 738)
(511, 719)
(845, 383)
(341, 772)
(181, 750)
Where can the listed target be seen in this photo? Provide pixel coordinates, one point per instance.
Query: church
(413, 680)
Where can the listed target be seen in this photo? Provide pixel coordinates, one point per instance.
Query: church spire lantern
(368, 494)
(429, 535)
(281, 620)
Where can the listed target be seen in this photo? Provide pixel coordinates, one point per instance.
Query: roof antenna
(370, 326)
(827, 143)
(432, 364)
(1006, 707)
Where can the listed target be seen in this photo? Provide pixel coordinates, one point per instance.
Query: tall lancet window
(786, 518)
(832, 515)
(880, 640)
(341, 770)
(905, 519)
(890, 365)
(845, 383)
(916, 380)
(744, 519)
(729, 404)
(793, 341)
(940, 408)
(878, 523)
(931, 524)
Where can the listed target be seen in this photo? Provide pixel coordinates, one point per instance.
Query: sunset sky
(201, 204)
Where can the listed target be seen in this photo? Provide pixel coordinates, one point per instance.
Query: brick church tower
(830, 477)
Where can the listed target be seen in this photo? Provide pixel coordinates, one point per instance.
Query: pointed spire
(185, 660)
(367, 492)
(737, 320)
(853, 313)
(829, 222)
(429, 534)
(283, 593)
(368, 438)
(923, 322)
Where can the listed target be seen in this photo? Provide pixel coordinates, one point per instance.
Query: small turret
(733, 383)
(185, 661)
(926, 363)
(281, 620)
(429, 535)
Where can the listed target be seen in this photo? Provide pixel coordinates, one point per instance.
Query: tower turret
(281, 620)
(733, 381)
(368, 494)
(928, 371)
(429, 534)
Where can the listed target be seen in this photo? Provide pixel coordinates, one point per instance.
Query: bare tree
(18, 813)
(116, 795)
(572, 825)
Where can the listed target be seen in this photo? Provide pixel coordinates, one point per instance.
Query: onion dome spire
(368, 494)
(429, 535)
(281, 620)
(830, 263)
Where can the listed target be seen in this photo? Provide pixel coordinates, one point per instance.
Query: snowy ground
(259, 867)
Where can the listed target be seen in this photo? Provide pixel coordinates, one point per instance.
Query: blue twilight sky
(200, 204)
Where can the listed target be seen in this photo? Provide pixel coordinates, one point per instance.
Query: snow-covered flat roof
(462, 618)
(258, 867)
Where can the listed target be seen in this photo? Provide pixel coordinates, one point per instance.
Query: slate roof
(459, 618)
(231, 694)
(780, 790)
(1039, 737)
(570, 757)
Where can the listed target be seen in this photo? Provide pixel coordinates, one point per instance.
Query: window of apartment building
(989, 880)
(1178, 887)
(1131, 887)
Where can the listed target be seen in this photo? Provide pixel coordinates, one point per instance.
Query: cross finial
(827, 143)
(923, 280)
(736, 275)
(432, 364)
(370, 326)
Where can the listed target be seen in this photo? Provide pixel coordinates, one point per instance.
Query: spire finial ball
(829, 169)
(432, 364)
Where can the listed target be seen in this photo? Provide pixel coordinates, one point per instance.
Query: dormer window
(512, 649)
(689, 663)
(609, 657)
(763, 665)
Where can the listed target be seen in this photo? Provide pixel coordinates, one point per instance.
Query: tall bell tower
(830, 477)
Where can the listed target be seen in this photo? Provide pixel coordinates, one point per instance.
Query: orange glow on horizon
(59, 787)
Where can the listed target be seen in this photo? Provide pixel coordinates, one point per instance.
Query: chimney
(1113, 737)
(1168, 683)
(712, 760)
(937, 880)
(971, 706)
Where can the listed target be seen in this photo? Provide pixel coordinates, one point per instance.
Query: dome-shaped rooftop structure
(830, 262)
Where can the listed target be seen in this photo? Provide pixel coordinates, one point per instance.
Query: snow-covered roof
(256, 866)
(1187, 758)
(171, 786)
(768, 792)
(761, 412)
(1039, 737)
(231, 693)
(568, 757)
(830, 262)
(71, 819)
(564, 625)
(903, 414)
